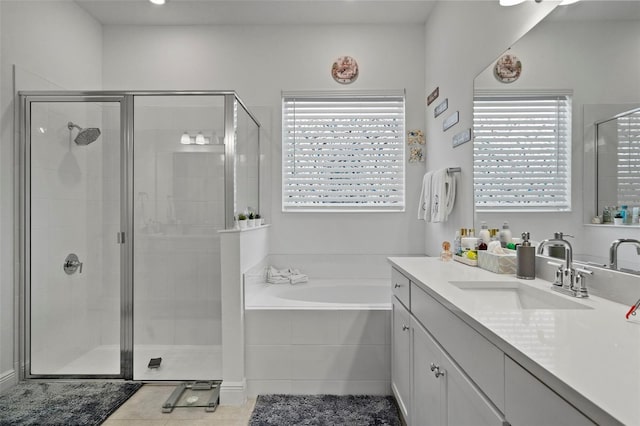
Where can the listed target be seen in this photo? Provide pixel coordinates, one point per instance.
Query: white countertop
(589, 356)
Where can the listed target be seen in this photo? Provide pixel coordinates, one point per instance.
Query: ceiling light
(185, 139)
(160, 2)
(566, 2)
(510, 2)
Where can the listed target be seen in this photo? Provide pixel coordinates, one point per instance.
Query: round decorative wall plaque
(345, 70)
(508, 68)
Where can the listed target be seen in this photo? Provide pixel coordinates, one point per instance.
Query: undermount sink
(513, 295)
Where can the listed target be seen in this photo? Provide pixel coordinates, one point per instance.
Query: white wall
(261, 61)
(61, 44)
(583, 59)
(462, 38)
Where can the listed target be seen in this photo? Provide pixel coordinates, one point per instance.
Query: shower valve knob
(72, 264)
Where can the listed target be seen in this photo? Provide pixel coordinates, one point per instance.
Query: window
(628, 153)
(343, 151)
(522, 152)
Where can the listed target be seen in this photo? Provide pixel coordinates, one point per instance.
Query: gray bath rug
(60, 403)
(325, 410)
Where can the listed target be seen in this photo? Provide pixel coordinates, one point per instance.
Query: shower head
(84, 136)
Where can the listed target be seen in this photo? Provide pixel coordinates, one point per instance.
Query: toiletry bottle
(624, 212)
(485, 236)
(606, 215)
(457, 246)
(526, 259)
(505, 234)
(446, 255)
(635, 215)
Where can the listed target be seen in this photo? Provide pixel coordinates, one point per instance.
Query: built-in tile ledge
(611, 225)
(224, 231)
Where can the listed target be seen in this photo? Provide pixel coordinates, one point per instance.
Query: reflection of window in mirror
(522, 151)
(618, 158)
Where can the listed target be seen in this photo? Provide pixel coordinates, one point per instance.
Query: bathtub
(321, 293)
(330, 335)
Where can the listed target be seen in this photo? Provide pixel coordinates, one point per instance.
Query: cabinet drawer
(400, 285)
(479, 358)
(528, 401)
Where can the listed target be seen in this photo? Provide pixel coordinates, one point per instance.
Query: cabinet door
(428, 390)
(401, 358)
(465, 404)
(531, 403)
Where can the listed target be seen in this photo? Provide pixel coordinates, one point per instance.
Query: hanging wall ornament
(344, 70)
(508, 68)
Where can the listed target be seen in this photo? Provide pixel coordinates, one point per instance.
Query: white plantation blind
(343, 151)
(628, 128)
(522, 152)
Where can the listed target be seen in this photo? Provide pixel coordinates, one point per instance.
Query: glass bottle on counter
(446, 254)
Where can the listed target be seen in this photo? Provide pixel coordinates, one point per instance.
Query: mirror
(617, 143)
(590, 50)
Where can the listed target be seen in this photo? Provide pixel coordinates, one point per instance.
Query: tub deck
(319, 294)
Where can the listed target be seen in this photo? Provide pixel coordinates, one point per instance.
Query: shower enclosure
(122, 195)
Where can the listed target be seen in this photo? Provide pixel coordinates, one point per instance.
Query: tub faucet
(613, 250)
(569, 280)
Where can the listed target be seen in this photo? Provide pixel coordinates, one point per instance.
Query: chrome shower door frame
(23, 209)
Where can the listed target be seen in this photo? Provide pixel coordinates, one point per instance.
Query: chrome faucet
(613, 250)
(569, 280)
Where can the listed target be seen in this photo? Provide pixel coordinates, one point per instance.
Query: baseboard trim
(233, 393)
(8, 379)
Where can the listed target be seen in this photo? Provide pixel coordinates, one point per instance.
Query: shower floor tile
(179, 362)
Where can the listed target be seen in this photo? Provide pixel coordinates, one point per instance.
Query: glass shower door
(72, 224)
(179, 191)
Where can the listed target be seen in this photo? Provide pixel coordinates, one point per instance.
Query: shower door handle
(71, 264)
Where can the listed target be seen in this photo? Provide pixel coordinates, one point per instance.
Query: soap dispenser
(526, 259)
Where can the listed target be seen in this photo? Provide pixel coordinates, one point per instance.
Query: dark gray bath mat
(60, 403)
(325, 410)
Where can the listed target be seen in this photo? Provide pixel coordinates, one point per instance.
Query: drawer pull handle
(405, 327)
(436, 369)
(397, 285)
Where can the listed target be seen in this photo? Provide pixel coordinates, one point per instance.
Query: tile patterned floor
(144, 408)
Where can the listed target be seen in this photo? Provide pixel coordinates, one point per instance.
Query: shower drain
(203, 394)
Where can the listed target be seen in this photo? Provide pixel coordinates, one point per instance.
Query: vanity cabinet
(444, 372)
(430, 387)
(401, 357)
(442, 393)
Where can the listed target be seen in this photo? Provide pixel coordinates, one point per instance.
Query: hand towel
(443, 195)
(424, 203)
